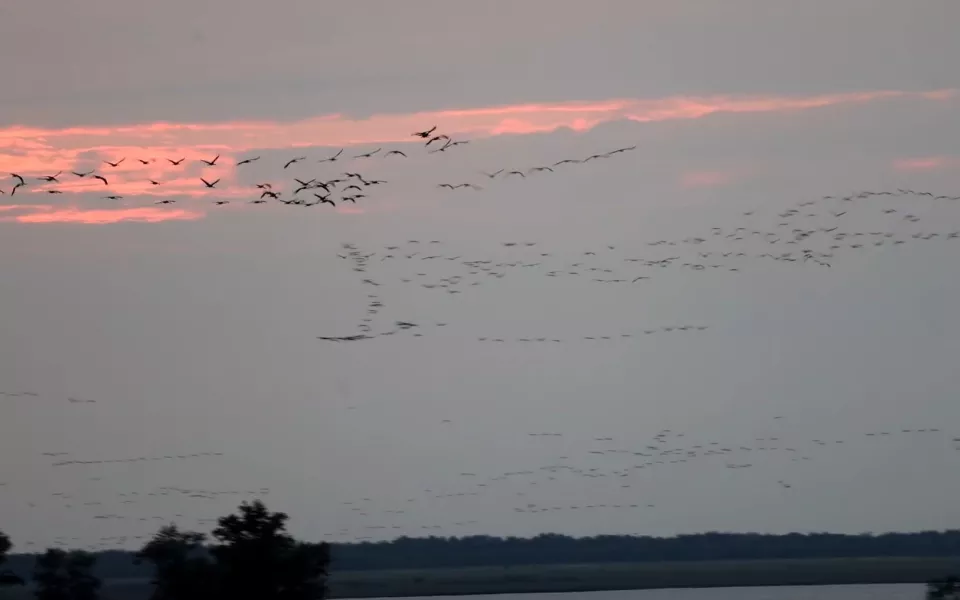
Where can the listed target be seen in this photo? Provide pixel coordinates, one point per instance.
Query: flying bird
(112, 197)
(492, 175)
(368, 154)
(115, 164)
(14, 175)
(394, 152)
(294, 160)
(153, 182)
(50, 178)
(211, 163)
(176, 162)
(273, 195)
(101, 178)
(145, 162)
(424, 134)
(208, 184)
(81, 174)
(247, 161)
(332, 158)
(437, 138)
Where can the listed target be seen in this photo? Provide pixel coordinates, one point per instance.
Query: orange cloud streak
(698, 179)
(144, 214)
(927, 163)
(35, 152)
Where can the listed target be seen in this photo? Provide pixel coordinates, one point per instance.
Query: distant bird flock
(813, 234)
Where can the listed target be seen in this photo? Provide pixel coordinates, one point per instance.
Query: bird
(211, 163)
(101, 178)
(247, 161)
(115, 164)
(520, 173)
(54, 192)
(539, 169)
(81, 174)
(144, 162)
(566, 161)
(368, 154)
(264, 186)
(492, 175)
(395, 152)
(325, 200)
(176, 162)
(332, 158)
(208, 184)
(50, 178)
(221, 202)
(113, 197)
(424, 134)
(273, 195)
(15, 176)
(437, 138)
(294, 160)
(153, 182)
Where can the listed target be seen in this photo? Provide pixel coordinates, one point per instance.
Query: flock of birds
(349, 186)
(815, 234)
(577, 475)
(811, 234)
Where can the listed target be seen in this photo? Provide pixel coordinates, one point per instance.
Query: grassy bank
(607, 576)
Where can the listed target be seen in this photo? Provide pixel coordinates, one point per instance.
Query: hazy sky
(193, 326)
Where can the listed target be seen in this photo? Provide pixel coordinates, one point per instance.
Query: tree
(7, 578)
(5, 546)
(258, 560)
(183, 570)
(62, 575)
(944, 589)
(255, 560)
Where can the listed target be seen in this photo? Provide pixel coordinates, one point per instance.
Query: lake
(898, 591)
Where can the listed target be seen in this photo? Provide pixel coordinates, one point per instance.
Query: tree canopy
(62, 575)
(255, 558)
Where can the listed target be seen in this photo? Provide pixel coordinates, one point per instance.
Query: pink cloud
(34, 152)
(697, 179)
(926, 163)
(143, 214)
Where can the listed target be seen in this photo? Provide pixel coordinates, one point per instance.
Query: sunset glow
(927, 163)
(35, 152)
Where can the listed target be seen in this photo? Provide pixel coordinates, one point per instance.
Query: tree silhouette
(183, 570)
(7, 577)
(61, 575)
(256, 559)
(944, 589)
(260, 561)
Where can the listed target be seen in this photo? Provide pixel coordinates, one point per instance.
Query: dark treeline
(477, 551)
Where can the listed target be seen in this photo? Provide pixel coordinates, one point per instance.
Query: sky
(781, 352)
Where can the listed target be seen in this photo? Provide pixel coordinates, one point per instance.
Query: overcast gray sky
(193, 326)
